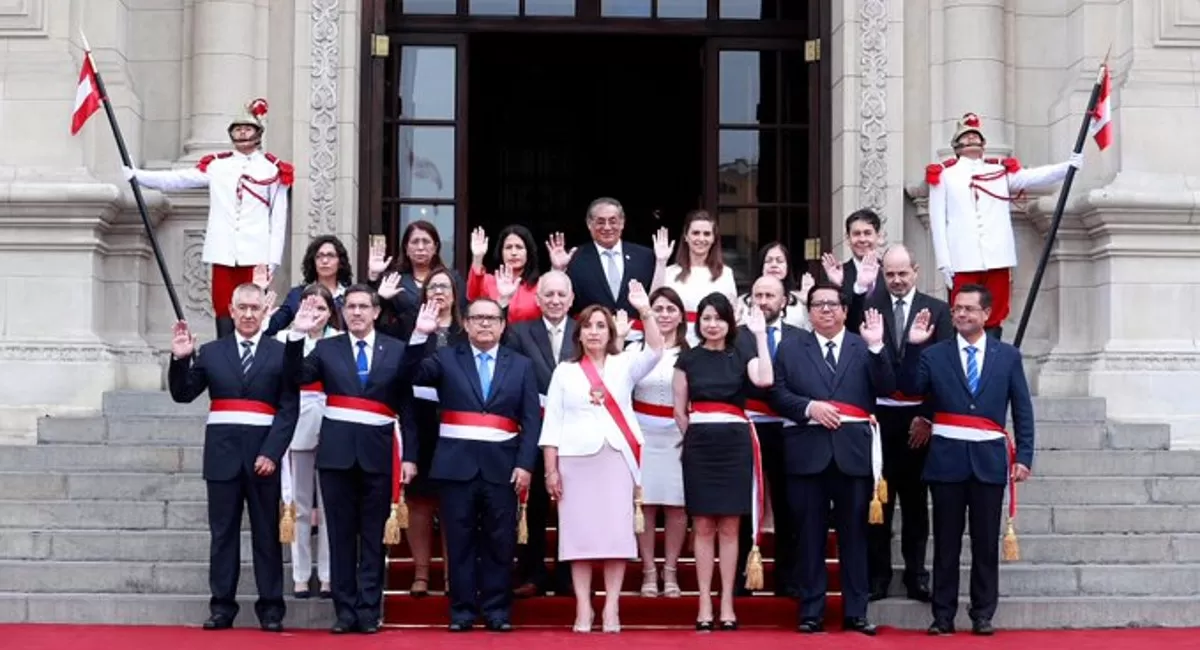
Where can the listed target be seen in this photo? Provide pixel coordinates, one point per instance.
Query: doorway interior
(557, 120)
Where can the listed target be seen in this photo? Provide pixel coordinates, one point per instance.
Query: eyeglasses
(968, 309)
(438, 287)
(327, 256)
(484, 319)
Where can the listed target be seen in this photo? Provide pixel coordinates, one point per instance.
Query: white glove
(128, 172)
(948, 275)
(1076, 160)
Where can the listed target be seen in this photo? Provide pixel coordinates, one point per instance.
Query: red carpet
(39, 637)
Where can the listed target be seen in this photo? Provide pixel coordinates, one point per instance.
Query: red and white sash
(243, 412)
(631, 450)
(850, 413)
(900, 400)
(430, 394)
(760, 411)
(721, 413)
(973, 428)
(654, 415)
(479, 427)
(357, 410)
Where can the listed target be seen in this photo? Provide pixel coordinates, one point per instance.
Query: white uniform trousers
(305, 479)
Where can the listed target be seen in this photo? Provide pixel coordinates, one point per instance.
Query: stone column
(224, 70)
(973, 69)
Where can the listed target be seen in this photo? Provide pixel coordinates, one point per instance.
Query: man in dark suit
(972, 380)
(768, 293)
(600, 271)
(904, 428)
(545, 341)
(861, 275)
(487, 449)
(828, 381)
(360, 371)
(250, 425)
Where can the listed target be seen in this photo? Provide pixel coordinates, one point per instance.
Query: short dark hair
(985, 296)
(843, 299)
(482, 300)
(865, 214)
(720, 304)
(363, 288)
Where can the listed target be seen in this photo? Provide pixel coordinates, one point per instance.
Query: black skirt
(718, 469)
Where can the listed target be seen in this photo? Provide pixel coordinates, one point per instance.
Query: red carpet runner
(67, 637)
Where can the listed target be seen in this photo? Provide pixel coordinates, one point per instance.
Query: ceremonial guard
(359, 372)
(486, 450)
(252, 417)
(248, 206)
(970, 218)
(972, 381)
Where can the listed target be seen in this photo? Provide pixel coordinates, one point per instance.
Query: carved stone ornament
(196, 281)
(873, 107)
(323, 122)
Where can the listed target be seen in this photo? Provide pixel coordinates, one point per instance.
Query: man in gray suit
(546, 341)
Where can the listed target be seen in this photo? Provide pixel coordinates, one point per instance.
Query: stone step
(101, 458)
(147, 403)
(1101, 435)
(123, 430)
(1087, 549)
(50, 576)
(1013, 613)
(1069, 409)
(1138, 435)
(1109, 490)
(1107, 462)
(106, 515)
(92, 486)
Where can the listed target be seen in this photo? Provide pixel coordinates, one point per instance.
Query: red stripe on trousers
(224, 280)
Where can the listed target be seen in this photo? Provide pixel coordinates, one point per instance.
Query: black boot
(224, 326)
(995, 332)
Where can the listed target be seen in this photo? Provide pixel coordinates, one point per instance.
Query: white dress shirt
(475, 352)
(253, 343)
(908, 301)
(555, 332)
(369, 349)
(618, 258)
(576, 426)
(980, 346)
(837, 339)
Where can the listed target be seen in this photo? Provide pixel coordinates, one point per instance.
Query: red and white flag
(87, 95)
(1101, 128)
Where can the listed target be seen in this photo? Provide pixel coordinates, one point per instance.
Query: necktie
(772, 343)
(247, 356)
(830, 360)
(485, 374)
(898, 322)
(614, 276)
(972, 369)
(361, 359)
(556, 343)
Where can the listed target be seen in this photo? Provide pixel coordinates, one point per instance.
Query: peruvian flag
(87, 95)
(1101, 128)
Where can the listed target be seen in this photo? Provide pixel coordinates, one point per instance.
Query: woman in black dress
(423, 417)
(718, 452)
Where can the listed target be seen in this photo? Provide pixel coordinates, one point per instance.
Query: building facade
(784, 118)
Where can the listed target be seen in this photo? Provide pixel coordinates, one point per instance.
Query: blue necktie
(972, 370)
(771, 342)
(485, 374)
(362, 363)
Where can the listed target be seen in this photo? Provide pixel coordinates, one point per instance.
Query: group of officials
(885, 373)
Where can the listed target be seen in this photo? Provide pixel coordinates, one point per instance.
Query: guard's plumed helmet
(968, 124)
(252, 115)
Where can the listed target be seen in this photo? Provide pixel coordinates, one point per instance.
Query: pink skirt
(595, 515)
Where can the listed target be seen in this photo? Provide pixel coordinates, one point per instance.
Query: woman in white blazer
(298, 470)
(591, 443)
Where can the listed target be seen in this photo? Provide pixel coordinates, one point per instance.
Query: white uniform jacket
(248, 204)
(969, 209)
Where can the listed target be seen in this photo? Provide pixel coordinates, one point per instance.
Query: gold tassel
(639, 517)
(1011, 549)
(754, 569)
(402, 513)
(287, 524)
(391, 530)
(882, 490)
(522, 526)
(876, 514)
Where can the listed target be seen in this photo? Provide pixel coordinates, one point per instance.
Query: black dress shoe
(459, 626)
(369, 628)
(302, 595)
(860, 625)
(342, 627)
(704, 626)
(271, 626)
(729, 626)
(940, 628)
(499, 626)
(983, 627)
(218, 622)
(878, 592)
(325, 595)
(810, 626)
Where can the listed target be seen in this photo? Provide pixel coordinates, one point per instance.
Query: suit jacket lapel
(850, 349)
(349, 355)
(235, 356)
(376, 361)
(467, 361)
(955, 360)
(813, 349)
(262, 356)
(498, 371)
(568, 347)
(990, 352)
(541, 339)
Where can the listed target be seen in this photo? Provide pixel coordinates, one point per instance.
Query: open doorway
(559, 120)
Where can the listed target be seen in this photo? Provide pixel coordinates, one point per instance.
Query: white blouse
(699, 284)
(575, 425)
